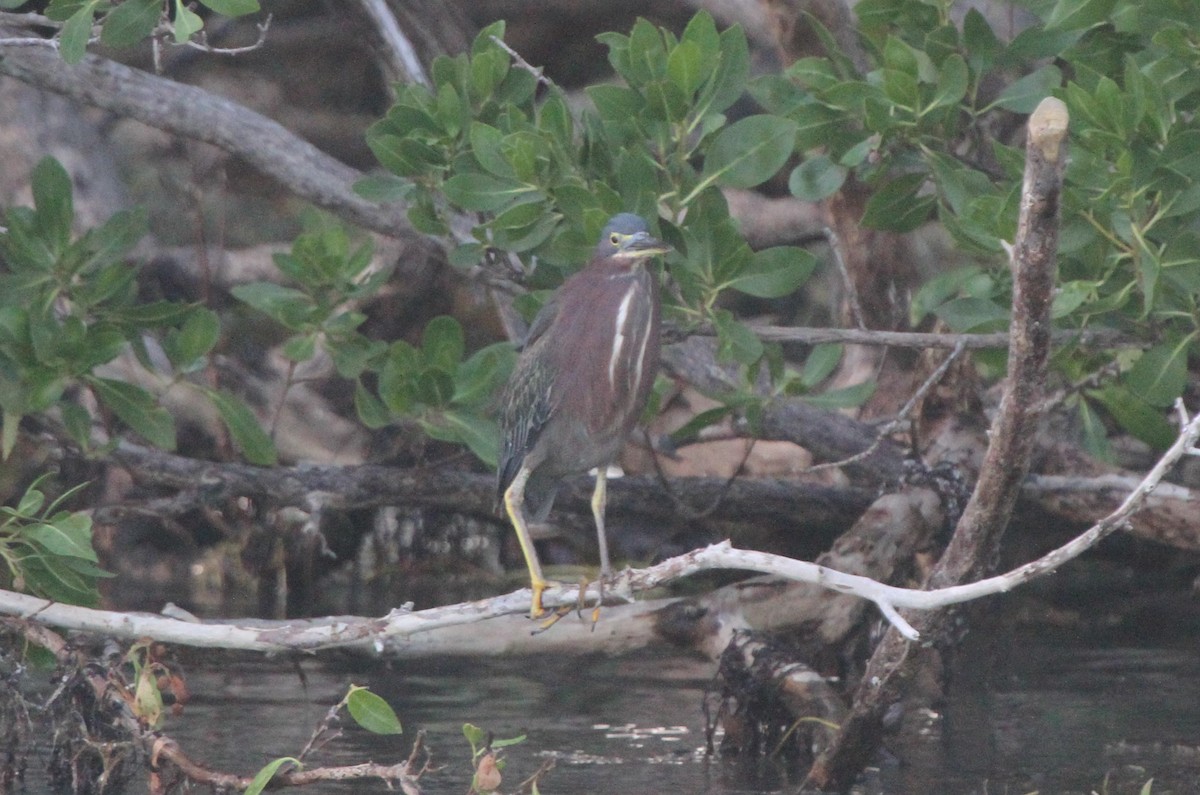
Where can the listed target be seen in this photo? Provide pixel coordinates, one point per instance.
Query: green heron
(580, 384)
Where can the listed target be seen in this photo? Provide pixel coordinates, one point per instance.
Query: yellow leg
(599, 501)
(514, 504)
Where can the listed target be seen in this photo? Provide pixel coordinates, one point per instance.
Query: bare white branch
(406, 632)
(399, 53)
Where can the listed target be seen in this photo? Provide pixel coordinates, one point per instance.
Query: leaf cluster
(69, 304)
(542, 181)
(437, 385)
(47, 551)
(916, 127)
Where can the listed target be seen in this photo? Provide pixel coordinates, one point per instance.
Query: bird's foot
(538, 611)
(600, 586)
(555, 615)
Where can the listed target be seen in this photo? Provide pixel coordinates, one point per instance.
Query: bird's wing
(527, 410)
(527, 402)
(541, 322)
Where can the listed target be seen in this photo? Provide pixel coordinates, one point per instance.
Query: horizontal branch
(1088, 338)
(336, 487)
(399, 628)
(194, 113)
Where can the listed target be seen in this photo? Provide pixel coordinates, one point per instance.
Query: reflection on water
(1057, 716)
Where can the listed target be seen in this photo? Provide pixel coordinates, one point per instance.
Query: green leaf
(54, 578)
(690, 430)
(443, 344)
(897, 206)
(137, 409)
(52, 197)
(1079, 14)
(384, 188)
(508, 741)
(284, 305)
(10, 424)
(1095, 435)
(484, 192)
(263, 777)
(245, 429)
(952, 82)
(130, 22)
(845, 398)
(476, 736)
(480, 434)
(775, 272)
(973, 314)
(981, 42)
(480, 375)
(1136, 415)
(72, 538)
(232, 8)
(687, 68)
(187, 22)
(197, 336)
(371, 712)
(729, 81)
(1025, 94)
(735, 342)
(31, 502)
(1160, 374)
(820, 363)
(73, 40)
(300, 348)
(816, 178)
(485, 145)
(370, 409)
(616, 103)
(750, 151)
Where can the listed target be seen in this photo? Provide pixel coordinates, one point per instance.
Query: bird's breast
(610, 350)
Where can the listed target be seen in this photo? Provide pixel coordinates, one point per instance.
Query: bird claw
(555, 616)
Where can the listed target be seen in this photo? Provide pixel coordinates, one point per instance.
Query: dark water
(1059, 716)
(1055, 712)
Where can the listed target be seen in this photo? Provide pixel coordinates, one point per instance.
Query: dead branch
(195, 113)
(405, 632)
(1011, 444)
(119, 700)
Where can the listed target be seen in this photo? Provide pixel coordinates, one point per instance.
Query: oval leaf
(73, 538)
(243, 426)
(749, 152)
(1159, 374)
(775, 272)
(130, 22)
(816, 178)
(137, 409)
(372, 712)
(483, 192)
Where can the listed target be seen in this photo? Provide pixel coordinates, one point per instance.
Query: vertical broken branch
(977, 536)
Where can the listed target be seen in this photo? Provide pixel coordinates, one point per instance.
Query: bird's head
(626, 238)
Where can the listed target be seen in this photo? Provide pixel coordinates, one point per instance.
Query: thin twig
(204, 46)
(835, 245)
(900, 418)
(537, 71)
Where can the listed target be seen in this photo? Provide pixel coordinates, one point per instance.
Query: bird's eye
(615, 239)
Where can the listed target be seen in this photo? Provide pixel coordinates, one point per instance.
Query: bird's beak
(643, 244)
